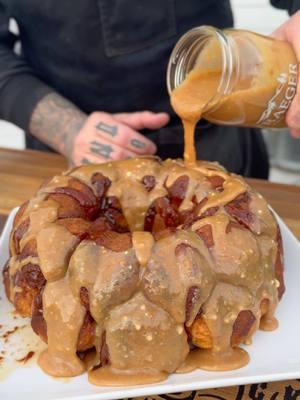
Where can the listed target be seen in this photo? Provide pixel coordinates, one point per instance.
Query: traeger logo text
(282, 98)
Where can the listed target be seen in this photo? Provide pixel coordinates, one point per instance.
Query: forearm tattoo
(56, 122)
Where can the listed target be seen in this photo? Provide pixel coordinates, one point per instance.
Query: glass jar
(252, 78)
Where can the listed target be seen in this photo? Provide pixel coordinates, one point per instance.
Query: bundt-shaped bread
(142, 261)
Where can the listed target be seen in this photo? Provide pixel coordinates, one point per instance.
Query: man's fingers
(103, 139)
(295, 133)
(85, 159)
(293, 113)
(288, 32)
(143, 119)
(122, 135)
(98, 151)
(108, 151)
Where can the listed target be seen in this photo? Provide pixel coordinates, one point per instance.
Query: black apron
(121, 61)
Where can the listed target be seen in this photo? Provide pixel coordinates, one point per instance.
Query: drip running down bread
(136, 269)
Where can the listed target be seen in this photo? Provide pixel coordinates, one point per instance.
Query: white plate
(274, 355)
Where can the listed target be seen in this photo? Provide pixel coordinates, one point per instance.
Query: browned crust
(242, 327)
(38, 322)
(239, 210)
(77, 226)
(202, 337)
(29, 250)
(112, 213)
(205, 233)
(200, 334)
(149, 182)
(115, 241)
(104, 353)
(80, 192)
(279, 268)
(19, 233)
(68, 207)
(164, 233)
(161, 215)
(216, 181)
(20, 214)
(100, 183)
(264, 306)
(28, 280)
(177, 190)
(6, 279)
(192, 295)
(234, 225)
(86, 338)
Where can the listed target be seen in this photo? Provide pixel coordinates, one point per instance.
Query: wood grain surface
(22, 172)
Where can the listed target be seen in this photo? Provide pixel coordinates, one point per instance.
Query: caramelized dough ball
(200, 334)
(87, 332)
(242, 327)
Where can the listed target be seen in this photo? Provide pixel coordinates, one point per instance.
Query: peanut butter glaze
(108, 376)
(215, 361)
(195, 262)
(189, 101)
(142, 244)
(64, 316)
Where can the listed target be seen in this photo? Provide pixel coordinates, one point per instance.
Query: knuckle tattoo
(139, 144)
(112, 130)
(85, 161)
(101, 149)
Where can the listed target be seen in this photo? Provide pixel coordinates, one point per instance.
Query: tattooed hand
(96, 138)
(106, 137)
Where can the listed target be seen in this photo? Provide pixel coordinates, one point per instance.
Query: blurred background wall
(256, 15)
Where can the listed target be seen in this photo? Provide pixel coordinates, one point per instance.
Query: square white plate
(274, 355)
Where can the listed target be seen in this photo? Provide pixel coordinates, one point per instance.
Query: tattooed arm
(98, 137)
(56, 122)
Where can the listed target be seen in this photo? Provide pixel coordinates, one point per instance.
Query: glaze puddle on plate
(274, 355)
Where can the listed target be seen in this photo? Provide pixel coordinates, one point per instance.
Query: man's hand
(96, 138)
(290, 32)
(105, 137)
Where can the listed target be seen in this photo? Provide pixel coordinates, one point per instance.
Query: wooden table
(21, 173)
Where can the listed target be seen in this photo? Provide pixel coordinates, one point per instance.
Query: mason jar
(253, 78)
